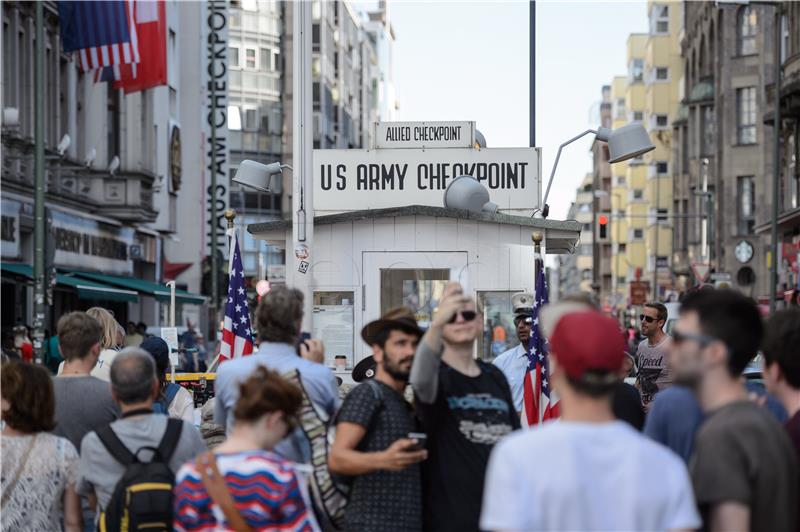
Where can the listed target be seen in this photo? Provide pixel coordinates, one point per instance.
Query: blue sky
(469, 61)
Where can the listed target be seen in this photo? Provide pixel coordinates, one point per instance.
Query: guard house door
(414, 279)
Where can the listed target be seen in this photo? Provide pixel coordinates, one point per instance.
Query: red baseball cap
(588, 341)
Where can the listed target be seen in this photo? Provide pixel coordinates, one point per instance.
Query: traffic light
(602, 220)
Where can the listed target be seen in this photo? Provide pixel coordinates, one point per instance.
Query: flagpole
(536, 236)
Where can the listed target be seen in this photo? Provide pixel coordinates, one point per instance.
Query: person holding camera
(465, 407)
(375, 439)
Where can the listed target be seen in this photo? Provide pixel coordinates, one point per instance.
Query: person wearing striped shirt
(263, 485)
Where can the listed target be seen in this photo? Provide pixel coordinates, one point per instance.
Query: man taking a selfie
(374, 434)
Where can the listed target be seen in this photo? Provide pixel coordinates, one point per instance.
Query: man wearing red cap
(588, 471)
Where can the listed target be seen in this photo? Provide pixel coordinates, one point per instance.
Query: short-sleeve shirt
(586, 476)
(743, 455)
(467, 418)
(36, 501)
(654, 375)
(82, 405)
(264, 488)
(100, 471)
(382, 500)
(514, 363)
(673, 420)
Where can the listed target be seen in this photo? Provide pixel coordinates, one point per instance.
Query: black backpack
(142, 499)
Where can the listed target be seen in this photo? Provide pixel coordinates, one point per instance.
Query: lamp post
(39, 234)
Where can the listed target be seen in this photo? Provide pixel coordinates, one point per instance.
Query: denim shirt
(318, 381)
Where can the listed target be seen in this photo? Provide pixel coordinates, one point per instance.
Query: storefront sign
(87, 244)
(346, 180)
(424, 135)
(216, 74)
(10, 229)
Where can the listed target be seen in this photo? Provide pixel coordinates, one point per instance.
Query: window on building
(250, 58)
(620, 181)
(747, 205)
(709, 130)
(264, 56)
(661, 121)
(636, 70)
(638, 234)
(746, 115)
(621, 279)
(747, 25)
(638, 116)
(620, 111)
(233, 57)
(587, 227)
(662, 74)
(637, 193)
(662, 215)
(662, 167)
(250, 119)
(234, 118)
(622, 247)
(659, 19)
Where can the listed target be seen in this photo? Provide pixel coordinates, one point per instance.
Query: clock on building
(744, 251)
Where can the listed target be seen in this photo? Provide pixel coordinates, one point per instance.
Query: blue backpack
(162, 405)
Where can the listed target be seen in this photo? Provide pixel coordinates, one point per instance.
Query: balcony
(127, 196)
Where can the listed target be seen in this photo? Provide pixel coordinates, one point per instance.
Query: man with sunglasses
(743, 468)
(465, 407)
(514, 362)
(652, 352)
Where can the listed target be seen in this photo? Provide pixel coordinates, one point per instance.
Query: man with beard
(372, 429)
(465, 406)
(651, 355)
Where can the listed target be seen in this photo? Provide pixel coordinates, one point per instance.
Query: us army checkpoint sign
(348, 180)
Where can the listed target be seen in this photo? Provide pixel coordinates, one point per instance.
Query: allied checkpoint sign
(349, 180)
(409, 135)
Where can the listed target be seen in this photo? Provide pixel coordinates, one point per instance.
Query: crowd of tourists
(671, 436)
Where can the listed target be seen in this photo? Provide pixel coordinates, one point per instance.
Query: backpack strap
(172, 391)
(217, 489)
(170, 439)
(114, 445)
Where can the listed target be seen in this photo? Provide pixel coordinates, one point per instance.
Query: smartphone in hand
(422, 440)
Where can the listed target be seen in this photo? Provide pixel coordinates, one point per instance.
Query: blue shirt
(318, 381)
(674, 417)
(513, 363)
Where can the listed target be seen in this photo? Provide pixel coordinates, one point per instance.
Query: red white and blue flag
(539, 402)
(237, 338)
(102, 33)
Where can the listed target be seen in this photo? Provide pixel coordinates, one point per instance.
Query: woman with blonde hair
(108, 343)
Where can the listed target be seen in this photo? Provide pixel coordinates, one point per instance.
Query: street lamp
(624, 143)
(465, 192)
(259, 176)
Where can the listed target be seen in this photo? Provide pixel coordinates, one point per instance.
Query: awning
(158, 291)
(86, 289)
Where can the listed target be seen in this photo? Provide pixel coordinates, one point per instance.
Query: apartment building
(575, 269)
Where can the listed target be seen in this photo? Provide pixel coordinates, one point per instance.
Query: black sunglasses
(702, 339)
(648, 319)
(468, 315)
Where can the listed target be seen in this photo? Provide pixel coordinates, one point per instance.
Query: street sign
(351, 180)
(416, 135)
(638, 292)
(700, 271)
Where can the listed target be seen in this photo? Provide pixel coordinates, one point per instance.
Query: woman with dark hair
(38, 468)
(242, 484)
(173, 400)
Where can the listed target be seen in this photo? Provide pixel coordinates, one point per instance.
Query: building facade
(575, 269)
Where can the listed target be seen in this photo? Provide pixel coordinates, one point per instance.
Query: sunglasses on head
(648, 319)
(468, 315)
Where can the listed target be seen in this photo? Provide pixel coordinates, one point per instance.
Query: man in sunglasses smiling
(652, 353)
(465, 407)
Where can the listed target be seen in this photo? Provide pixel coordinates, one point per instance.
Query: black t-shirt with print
(469, 415)
(382, 500)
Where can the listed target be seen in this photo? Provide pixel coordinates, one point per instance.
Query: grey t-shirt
(82, 405)
(741, 454)
(654, 374)
(98, 470)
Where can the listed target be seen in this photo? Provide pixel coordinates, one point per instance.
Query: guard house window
(636, 70)
(498, 323)
(709, 130)
(747, 205)
(747, 25)
(659, 19)
(250, 58)
(746, 115)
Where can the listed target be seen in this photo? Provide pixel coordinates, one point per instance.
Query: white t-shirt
(182, 406)
(586, 476)
(102, 369)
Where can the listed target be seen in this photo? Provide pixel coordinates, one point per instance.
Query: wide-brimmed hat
(396, 318)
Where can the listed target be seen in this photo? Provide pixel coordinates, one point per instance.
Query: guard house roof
(560, 236)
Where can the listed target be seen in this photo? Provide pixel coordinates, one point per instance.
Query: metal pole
(617, 254)
(595, 243)
(776, 170)
(532, 71)
(39, 282)
(214, 248)
(705, 224)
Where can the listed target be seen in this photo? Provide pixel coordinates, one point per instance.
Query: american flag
(103, 33)
(539, 402)
(237, 340)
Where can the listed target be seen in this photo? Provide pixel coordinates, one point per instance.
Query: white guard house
(382, 238)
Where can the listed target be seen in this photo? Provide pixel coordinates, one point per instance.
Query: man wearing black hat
(372, 429)
(514, 362)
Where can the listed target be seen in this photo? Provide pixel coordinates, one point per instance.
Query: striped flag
(102, 33)
(237, 339)
(539, 402)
